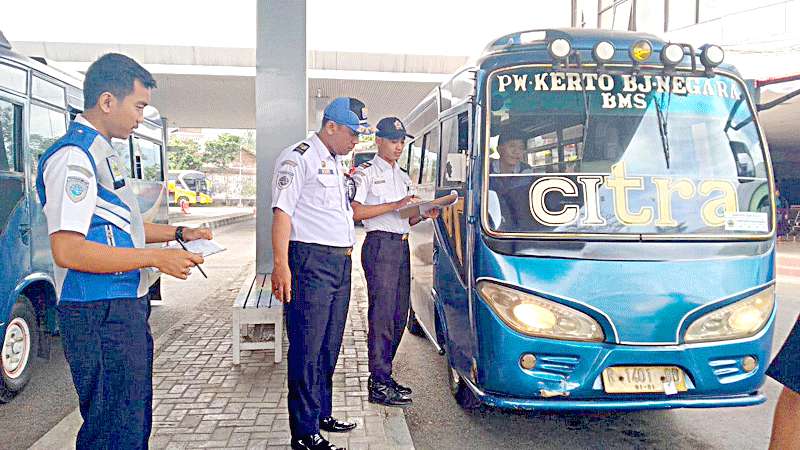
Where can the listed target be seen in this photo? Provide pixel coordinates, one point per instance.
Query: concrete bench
(255, 305)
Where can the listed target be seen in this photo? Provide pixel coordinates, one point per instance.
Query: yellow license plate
(644, 379)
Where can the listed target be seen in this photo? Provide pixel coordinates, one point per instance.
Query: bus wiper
(662, 129)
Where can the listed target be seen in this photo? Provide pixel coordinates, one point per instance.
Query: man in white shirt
(381, 188)
(97, 237)
(312, 239)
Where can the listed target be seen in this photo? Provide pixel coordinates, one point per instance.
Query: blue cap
(349, 112)
(392, 128)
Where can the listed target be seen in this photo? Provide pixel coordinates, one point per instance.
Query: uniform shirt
(378, 182)
(70, 209)
(310, 186)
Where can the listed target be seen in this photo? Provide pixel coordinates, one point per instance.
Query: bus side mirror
(456, 167)
(745, 166)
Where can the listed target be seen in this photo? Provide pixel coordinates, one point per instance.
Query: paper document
(201, 246)
(421, 208)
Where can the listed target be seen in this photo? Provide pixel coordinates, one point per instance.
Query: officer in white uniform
(381, 188)
(97, 238)
(312, 239)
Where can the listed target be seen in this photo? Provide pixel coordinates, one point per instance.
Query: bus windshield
(589, 154)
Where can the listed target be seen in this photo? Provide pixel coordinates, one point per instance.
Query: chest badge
(115, 167)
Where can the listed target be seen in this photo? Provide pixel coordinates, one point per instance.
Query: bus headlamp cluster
(739, 320)
(536, 316)
(640, 51)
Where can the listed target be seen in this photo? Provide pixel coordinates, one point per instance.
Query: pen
(196, 265)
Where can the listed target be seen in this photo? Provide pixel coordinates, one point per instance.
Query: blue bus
(37, 101)
(613, 243)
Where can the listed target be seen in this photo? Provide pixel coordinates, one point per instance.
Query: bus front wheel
(16, 355)
(464, 396)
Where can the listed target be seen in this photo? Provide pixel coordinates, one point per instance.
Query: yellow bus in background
(189, 185)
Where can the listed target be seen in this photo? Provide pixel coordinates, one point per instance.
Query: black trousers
(387, 267)
(315, 320)
(109, 349)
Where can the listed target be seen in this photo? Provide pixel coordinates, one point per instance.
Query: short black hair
(508, 135)
(114, 73)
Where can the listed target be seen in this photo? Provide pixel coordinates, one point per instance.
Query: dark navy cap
(349, 112)
(392, 128)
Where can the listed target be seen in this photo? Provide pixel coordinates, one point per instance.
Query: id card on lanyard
(115, 167)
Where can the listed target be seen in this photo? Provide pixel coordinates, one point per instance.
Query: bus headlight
(603, 52)
(672, 54)
(739, 320)
(536, 316)
(559, 48)
(711, 55)
(641, 50)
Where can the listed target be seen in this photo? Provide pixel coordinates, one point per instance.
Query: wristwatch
(179, 233)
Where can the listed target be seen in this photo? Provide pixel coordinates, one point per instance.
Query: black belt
(344, 251)
(387, 235)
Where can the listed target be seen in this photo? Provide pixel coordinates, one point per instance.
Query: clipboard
(419, 208)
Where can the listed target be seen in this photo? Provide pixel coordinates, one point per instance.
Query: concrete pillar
(281, 102)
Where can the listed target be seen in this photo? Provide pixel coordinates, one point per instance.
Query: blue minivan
(613, 244)
(37, 102)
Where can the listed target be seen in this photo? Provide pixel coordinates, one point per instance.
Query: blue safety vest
(83, 286)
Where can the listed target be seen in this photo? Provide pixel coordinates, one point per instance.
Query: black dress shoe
(385, 394)
(332, 425)
(313, 442)
(405, 390)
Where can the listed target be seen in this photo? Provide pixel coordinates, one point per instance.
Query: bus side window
(430, 164)
(455, 141)
(147, 160)
(10, 134)
(46, 126)
(415, 160)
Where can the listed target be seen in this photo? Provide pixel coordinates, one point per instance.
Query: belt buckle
(349, 251)
(405, 237)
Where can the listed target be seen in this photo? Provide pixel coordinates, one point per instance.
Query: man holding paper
(381, 189)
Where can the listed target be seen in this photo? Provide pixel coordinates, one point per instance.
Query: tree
(184, 154)
(221, 151)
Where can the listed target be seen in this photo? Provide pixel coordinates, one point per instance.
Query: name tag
(115, 167)
(325, 171)
(379, 182)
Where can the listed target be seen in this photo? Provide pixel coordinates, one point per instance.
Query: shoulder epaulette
(301, 148)
(364, 165)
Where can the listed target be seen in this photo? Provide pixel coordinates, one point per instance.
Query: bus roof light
(711, 55)
(559, 49)
(640, 51)
(603, 52)
(672, 54)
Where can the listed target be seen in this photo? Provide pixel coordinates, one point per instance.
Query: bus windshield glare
(600, 154)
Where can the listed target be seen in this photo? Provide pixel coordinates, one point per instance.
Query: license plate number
(643, 379)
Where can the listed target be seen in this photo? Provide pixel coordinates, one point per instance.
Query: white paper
(747, 221)
(670, 388)
(201, 246)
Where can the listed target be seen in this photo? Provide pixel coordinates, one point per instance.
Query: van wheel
(16, 355)
(413, 325)
(464, 396)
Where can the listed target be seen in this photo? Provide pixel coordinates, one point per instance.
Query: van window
(10, 131)
(431, 161)
(13, 79)
(47, 125)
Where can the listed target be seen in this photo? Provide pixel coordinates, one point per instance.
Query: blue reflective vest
(110, 225)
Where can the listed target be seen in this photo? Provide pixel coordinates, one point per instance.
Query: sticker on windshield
(747, 221)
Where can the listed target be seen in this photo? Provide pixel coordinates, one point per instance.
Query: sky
(383, 26)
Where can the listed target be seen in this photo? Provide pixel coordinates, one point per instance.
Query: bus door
(450, 252)
(424, 154)
(15, 225)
